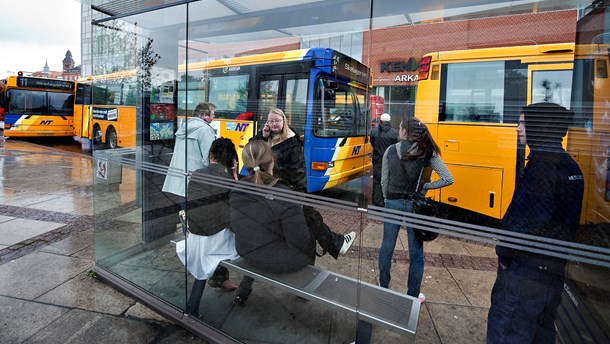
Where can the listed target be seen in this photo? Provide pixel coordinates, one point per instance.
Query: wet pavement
(49, 294)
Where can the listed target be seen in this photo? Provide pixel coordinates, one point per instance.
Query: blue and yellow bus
(323, 92)
(38, 107)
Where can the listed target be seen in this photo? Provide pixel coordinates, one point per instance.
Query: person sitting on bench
(271, 234)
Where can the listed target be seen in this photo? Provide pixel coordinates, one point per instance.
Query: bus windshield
(339, 110)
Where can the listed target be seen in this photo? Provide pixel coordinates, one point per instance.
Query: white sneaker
(349, 239)
(422, 297)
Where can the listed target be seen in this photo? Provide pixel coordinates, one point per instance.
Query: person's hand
(266, 130)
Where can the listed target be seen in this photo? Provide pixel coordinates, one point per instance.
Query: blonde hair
(285, 133)
(257, 157)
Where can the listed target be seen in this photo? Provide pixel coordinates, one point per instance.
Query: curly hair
(223, 151)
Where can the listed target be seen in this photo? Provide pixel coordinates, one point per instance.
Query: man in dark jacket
(381, 138)
(546, 203)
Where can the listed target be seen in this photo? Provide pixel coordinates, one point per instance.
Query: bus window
(553, 86)
(99, 95)
(296, 103)
(113, 95)
(129, 94)
(268, 93)
(83, 94)
(229, 94)
(475, 92)
(61, 103)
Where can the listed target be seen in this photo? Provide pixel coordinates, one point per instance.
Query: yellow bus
(470, 100)
(37, 106)
(105, 109)
(323, 92)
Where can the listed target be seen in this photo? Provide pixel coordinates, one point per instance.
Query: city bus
(105, 109)
(37, 106)
(470, 100)
(323, 92)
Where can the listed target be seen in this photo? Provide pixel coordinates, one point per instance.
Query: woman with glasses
(287, 148)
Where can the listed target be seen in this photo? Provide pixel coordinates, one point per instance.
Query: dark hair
(223, 151)
(258, 158)
(204, 109)
(418, 133)
(546, 123)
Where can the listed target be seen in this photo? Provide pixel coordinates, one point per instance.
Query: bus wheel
(96, 138)
(111, 139)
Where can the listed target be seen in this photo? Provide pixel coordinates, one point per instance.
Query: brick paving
(432, 259)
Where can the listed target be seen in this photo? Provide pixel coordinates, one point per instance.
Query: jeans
(192, 304)
(524, 304)
(416, 250)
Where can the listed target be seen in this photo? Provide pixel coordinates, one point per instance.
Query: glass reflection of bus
(37, 106)
(105, 109)
(323, 93)
(470, 100)
(591, 104)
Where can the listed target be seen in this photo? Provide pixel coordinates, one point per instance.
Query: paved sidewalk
(46, 252)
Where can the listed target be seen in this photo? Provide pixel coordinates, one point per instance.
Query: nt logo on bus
(47, 122)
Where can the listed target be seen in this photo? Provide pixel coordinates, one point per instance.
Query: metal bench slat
(380, 306)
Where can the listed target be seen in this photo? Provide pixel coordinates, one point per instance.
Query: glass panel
(133, 121)
(317, 61)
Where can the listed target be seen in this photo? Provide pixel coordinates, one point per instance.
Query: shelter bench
(379, 306)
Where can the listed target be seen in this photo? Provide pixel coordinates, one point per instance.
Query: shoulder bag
(424, 206)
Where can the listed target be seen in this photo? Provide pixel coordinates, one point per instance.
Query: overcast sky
(32, 31)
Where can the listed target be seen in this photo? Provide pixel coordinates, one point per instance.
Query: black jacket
(271, 234)
(208, 205)
(547, 202)
(381, 138)
(289, 162)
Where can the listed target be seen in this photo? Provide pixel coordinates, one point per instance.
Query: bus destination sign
(45, 83)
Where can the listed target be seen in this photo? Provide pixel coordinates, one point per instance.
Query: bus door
(82, 118)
